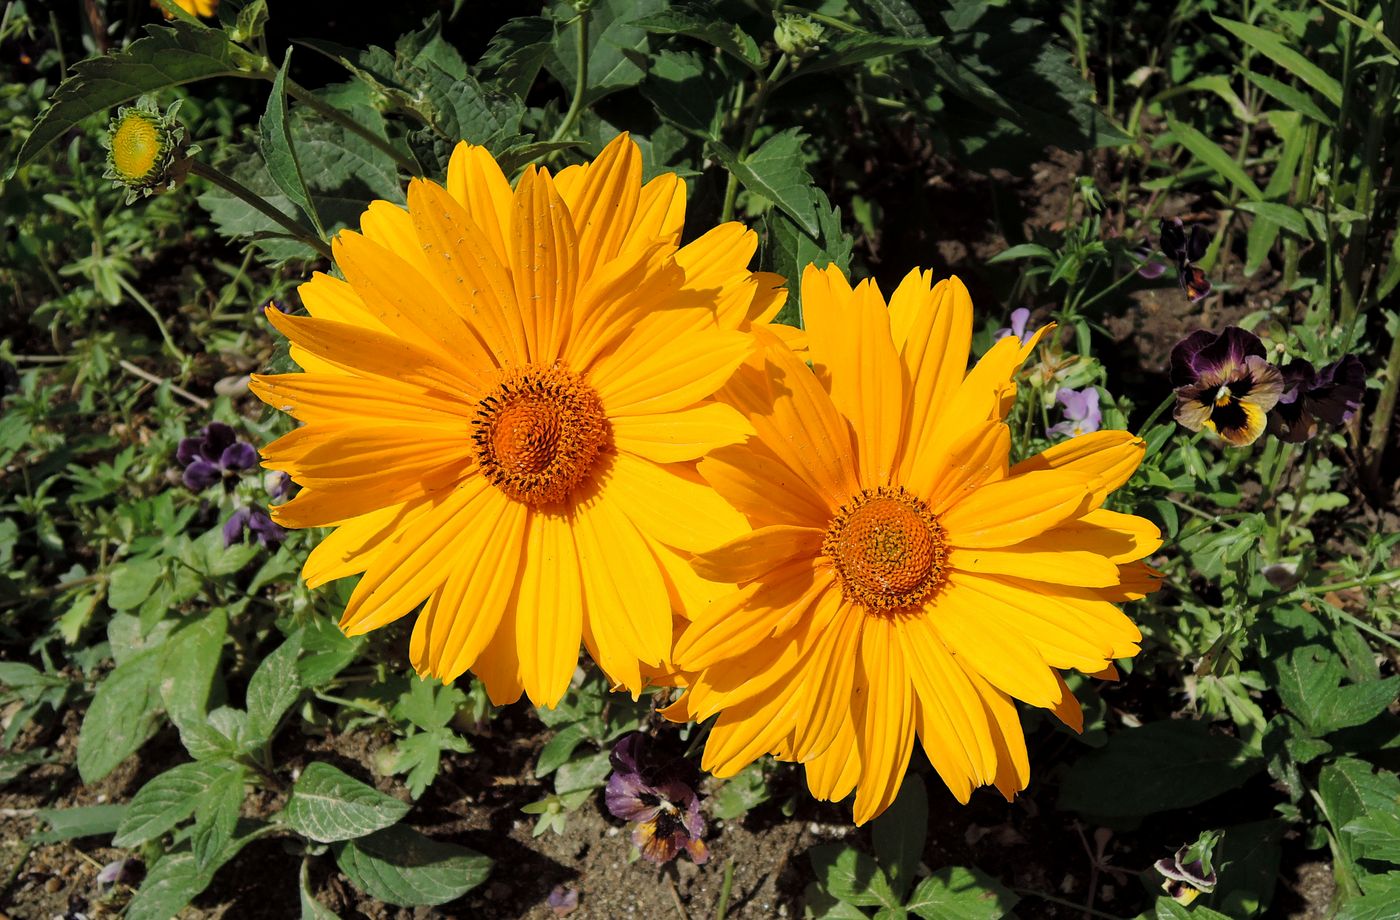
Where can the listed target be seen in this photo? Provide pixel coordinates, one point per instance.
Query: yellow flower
(205, 8)
(503, 402)
(900, 578)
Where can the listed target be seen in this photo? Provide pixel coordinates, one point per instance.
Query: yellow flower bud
(146, 150)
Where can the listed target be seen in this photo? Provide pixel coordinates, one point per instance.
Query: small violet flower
(1081, 410)
(663, 806)
(216, 452)
(1186, 246)
(1019, 317)
(1331, 395)
(1186, 876)
(1224, 383)
(563, 900)
(254, 521)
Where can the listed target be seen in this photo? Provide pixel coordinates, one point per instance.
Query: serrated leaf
(1310, 681)
(740, 793)
(956, 893)
(1378, 835)
(328, 805)
(1380, 899)
(273, 688)
(517, 52)
(789, 250)
(169, 55)
(686, 92)
(899, 834)
(852, 876)
(559, 749)
(216, 815)
(311, 909)
(175, 880)
(1273, 46)
(1211, 154)
(275, 142)
(706, 23)
(853, 48)
(401, 866)
(419, 755)
(1352, 790)
(165, 801)
(192, 657)
(1172, 764)
(776, 171)
(612, 37)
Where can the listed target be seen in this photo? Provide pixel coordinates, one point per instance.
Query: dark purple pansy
(1224, 383)
(1186, 246)
(1184, 880)
(252, 522)
(658, 800)
(213, 453)
(1331, 395)
(1081, 411)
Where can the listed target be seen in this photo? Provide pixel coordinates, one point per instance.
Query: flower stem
(760, 96)
(722, 905)
(258, 203)
(1384, 415)
(580, 79)
(1157, 413)
(130, 289)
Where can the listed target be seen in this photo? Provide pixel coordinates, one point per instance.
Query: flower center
(538, 433)
(888, 549)
(135, 146)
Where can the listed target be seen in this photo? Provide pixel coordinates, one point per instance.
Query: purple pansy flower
(1331, 395)
(1186, 247)
(663, 806)
(215, 452)
(1224, 383)
(1081, 410)
(1185, 878)
(1019, 317)
(252, 520)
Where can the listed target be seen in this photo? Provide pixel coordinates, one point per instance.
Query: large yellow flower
(900, 579)
(503, 402)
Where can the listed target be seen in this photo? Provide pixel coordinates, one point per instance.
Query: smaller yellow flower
(146, 150)
(205, 8)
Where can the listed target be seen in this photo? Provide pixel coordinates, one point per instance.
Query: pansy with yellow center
(901, 578)
(502, 406)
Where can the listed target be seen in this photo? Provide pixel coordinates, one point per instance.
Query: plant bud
(797, 35)
(146, 151)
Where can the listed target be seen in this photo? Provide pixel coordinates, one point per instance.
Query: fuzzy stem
(760, 96)
(331, 113)
(135, 295)
(580, 81)
(257, 202)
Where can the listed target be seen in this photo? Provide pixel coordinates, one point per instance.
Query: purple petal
(201, 474)
(631, 799)
(699, 853)
(1290, 420)
(268, 532)
(233, 527)
(626, 752)
(278, 484)
(1210, 359)
(188, 450)
(1076, 402)
(1171, 238)
(1060, 430)
(1153, 270)
(563, 901)
(693, 820)
(239, 455)
(1019, 317)
(1338, 391)
(217, 437)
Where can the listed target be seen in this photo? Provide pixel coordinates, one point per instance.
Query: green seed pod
(146, 150)
(797, 35)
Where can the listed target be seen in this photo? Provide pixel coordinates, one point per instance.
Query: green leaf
(517, 52)
(327, 805)
(706, 23)
(854, 47)
(1291, 97)
(275, 142)
(852, 876)
(776, 171)
(1158, 767)
(326, 652)
(899, 834)
(956, 893)
(790, 250)
(686, 92)
(165, 801)
(311, 909)
(1272, 45)
(175, 880)
(216, 814)
(1378, 835)
(1250, 855)
(131, 583)
(583, 774)
(1312, 682)
(429, 704)
(1023, 251)
(1167, 909)
(124, 712)
(1351, 790)
(740, 794)
(170, 55)
(191, 664)
(559, 749)
(274, 688)
(1380, 899)
(1210, 153)
(418, 757)
(84, 821)
(401, 866)
(1282, 215)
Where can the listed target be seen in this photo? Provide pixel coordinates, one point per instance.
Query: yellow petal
(749, 615)
(331, 397)
(759, 552)
(1109, 457)
(1015, 616)
(953, 723)
(1015, 666)
(674, 437)
(548, 607)
(544, 263)
(670, 503)
(475, 180)
(641, 378)
(351, 547)
(764, 488)
(1061, 566)
(1015, 509)
(604, 202)
(885, 724)
(832, 774)
(933, 331)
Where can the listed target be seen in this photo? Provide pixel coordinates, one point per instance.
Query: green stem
(331, 113)
(135, 295)
(258, 203)
(580, 80)
(1384, 415)
(1157, 413)
(1108, 290)
(1390, 576)
(1302, 195)
(760, 96)
(1281, 532)
(722, 905)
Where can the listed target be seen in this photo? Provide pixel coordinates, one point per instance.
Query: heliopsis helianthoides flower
(900, 579)
(502, 406)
